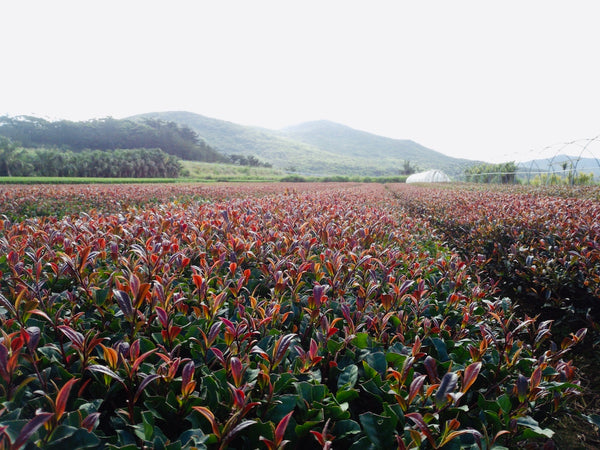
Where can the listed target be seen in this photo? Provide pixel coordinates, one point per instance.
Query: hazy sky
(491, 80)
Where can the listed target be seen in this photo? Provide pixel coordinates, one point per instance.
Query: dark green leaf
(361, 340)
(304, 428)
(346, 395)
(283, 405)
(345, 428)
(533, 429)
(65, 437)
(441, 349)
(377, 361)
(334, 346)
(379, 429)
(505, 403)
(348, 377)
(311, 392)
(395, 359)
(364, 444)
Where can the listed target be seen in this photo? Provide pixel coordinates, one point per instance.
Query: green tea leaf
(376, 360)
(362, 340)
(71, 437)
(345, 428)
(348, 377)
(346, 395)
(533, 429)
(379, 429)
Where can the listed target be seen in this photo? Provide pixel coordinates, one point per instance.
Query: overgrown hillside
(315, 148)
(109, 134)
(345, 141)
(231, 138)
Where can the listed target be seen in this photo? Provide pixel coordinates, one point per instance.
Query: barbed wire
(564, 161)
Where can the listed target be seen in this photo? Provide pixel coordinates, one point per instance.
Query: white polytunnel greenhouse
(431, 176)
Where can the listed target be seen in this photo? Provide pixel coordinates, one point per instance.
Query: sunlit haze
(492, 81)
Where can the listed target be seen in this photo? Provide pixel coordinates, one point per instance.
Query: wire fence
(574, 162)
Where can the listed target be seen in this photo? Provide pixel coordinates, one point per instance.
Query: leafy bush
(129, 163)
(293, 179)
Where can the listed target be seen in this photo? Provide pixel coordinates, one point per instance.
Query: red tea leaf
(239, 398)
(142, 294)
(4, 362)
(521, 387)
(31, 427)
(455, 434)
(124, 302)
(197, 280)
(91, 421)
(8, 305)
(74, 336)
(163, 317)
(33, 334)
(104, 370)
(536, 377)
(415, 387)
(62, 397)
(219, 355)
(149, 379)
(241, 426)
(134, 283)
(281, 346)
(140, 359)
(418, 420)
(281, 427)
(211, 418)
(187, 373)
(470, 375)
(431, 368)
(446, 388)
(236, 370)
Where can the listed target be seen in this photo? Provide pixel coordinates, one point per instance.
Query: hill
(231, 139)
(560, 165)
(108, 134)
(345, 141)
(315, 148)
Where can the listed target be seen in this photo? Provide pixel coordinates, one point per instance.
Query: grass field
(83, 180)
(199, 171)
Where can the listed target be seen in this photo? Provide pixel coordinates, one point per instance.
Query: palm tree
(7, 155)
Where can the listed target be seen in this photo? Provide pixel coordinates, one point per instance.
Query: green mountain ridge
(343, 140)
(315, 148)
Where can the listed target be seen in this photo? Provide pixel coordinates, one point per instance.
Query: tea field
(298, 316)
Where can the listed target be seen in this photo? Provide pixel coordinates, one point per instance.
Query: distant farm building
(431, 176)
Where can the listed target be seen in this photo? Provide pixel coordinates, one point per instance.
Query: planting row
(542, 248)
(305, 318)
(18, 202)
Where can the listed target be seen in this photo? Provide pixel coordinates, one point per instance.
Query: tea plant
(304, 316)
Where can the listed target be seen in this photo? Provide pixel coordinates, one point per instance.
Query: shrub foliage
(298, 316)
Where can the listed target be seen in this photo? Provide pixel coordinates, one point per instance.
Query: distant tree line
(109, 134)
(571, 178)
(407, 168)
(66, 140)
(119, 163)
(251, 161)
(503, 173)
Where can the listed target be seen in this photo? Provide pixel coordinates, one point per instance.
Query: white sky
(491, 80)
